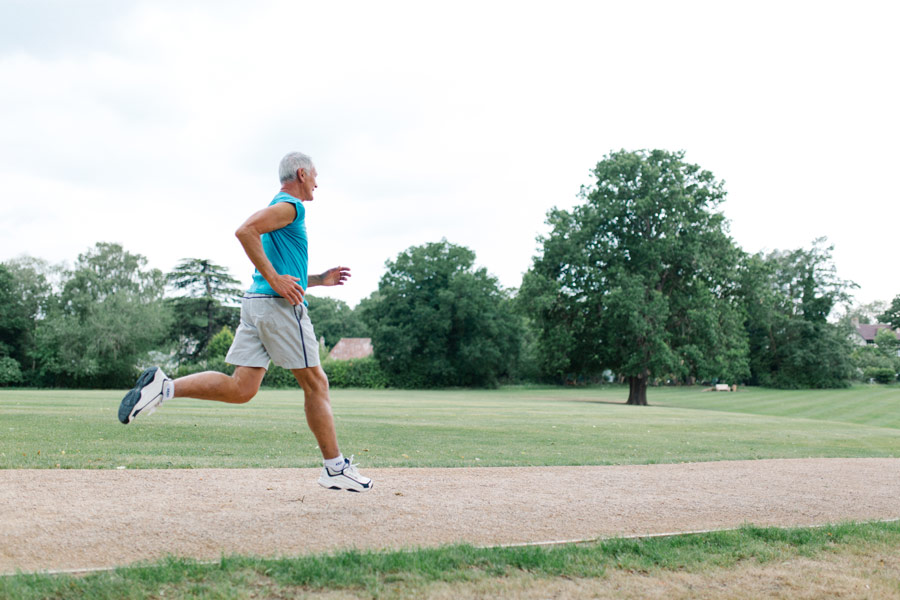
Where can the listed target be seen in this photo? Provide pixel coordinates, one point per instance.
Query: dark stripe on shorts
(302, 342)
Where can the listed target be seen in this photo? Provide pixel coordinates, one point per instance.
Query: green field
(509, 426)
(505, 427)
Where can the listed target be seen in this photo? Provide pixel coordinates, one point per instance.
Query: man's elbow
(243, 233)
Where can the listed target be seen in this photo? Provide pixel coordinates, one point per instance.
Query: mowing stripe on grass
(453, 428)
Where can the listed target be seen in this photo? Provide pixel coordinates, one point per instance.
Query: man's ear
(299, 174)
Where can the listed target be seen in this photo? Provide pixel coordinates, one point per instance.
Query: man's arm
(269, 219)
(335, 276)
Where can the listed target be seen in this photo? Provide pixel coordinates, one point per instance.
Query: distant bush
(220, 343)
(880, 374)
(10, 371)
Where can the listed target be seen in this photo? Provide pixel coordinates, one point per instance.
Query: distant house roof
(868, 331)
(348, 348)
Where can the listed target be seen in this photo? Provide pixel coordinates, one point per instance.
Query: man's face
(307, 183)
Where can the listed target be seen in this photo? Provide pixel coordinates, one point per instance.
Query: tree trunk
(209, 320)
(637, 391)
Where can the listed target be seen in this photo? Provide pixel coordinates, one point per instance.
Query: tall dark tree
(202, 278)
(436, 320)
(789, 296)
(637, 279)
(206, 304)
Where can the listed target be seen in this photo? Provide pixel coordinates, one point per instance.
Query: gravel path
(87, 519)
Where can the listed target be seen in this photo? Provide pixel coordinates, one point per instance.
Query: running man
(274, 326)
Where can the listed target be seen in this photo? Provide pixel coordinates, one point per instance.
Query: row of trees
(93, 324)
(642, 278)
(640, 281)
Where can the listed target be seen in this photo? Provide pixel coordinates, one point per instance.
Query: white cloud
(161, 126)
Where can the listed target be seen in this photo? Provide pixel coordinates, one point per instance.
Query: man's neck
(290, 188)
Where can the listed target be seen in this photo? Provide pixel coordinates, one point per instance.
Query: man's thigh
(288, 336)
(247, 349)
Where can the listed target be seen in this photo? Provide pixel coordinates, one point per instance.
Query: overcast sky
(159, 125)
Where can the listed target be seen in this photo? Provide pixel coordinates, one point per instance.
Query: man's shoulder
(299, 211)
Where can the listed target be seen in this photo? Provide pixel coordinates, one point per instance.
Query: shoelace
(351, 466)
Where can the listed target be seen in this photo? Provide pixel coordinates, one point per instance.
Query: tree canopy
(106, 318)
(436, 320)
(637, 278)
(640, 279)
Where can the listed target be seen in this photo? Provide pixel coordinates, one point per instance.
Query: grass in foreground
(412, 574)
(452, 428)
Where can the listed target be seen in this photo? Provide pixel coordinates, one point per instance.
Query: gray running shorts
(273, 329)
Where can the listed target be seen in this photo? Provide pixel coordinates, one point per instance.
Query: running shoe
(146, 395)
(348, 478)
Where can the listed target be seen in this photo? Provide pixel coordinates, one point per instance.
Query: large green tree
(638, 278)
(205, 305)
(788, 297)
(107, 316)
(437, 320)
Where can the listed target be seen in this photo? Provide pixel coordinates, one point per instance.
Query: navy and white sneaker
(146, 395)
(348, 478)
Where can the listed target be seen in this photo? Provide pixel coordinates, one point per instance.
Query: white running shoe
(347, 478)
(146, 395)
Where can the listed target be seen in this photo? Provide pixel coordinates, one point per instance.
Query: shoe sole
(134, 395)
(334, 487)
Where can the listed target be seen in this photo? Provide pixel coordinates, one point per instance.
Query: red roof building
(868, 331)
(348, 348)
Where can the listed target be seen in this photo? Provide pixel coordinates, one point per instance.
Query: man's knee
(312, 380)
(244, 395)
(246, 384)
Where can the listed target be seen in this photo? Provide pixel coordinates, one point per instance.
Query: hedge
(880, 374)
(357, 372)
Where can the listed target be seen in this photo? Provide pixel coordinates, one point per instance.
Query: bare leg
(318, 409)
(210, 385)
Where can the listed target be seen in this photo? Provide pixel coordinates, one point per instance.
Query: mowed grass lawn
(509, 426)
(514, 426)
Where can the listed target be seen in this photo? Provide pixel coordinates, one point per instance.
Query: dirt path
(74, 519)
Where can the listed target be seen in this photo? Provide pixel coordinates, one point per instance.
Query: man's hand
(335, 276)
(287, 287)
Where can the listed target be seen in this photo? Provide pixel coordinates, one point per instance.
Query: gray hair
(287, 170)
